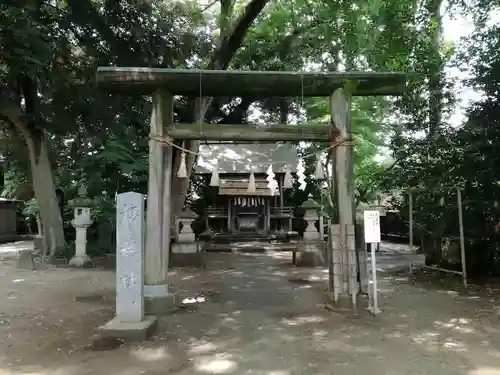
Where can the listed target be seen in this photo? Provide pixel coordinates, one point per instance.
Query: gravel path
(254, 320)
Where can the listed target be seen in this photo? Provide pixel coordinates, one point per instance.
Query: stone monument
(82, 220)
(130, 322)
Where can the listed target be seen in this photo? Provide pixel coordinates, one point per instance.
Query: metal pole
(370, 281)
(375, 309)
(410, 224)
(462, 240)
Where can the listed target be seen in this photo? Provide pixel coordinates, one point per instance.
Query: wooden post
(340, 103)
(281, 181)
(229, 218)
(267, 204)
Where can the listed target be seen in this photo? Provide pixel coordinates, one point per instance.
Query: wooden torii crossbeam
(211, 83)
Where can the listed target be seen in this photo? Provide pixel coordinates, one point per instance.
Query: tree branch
(230, 44)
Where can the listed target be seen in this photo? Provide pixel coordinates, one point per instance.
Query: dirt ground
(256, 319)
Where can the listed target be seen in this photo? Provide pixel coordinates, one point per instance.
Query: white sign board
(380, 209)
(372, 226)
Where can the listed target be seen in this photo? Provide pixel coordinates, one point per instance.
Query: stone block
(310, 259)
(160, 305)
(311, 253)
(131, 331)
(25, 260)
(187, 254)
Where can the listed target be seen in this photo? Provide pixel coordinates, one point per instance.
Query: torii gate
(163, 84)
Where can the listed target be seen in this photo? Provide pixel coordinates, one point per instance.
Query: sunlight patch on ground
(485, 371)
(452, 293)
(456, 324)
(202, 348)
(454, 345)
(151, 354)
(62, 371)
(218, 364)
(191, 300)
(303, 320)
(433, 342)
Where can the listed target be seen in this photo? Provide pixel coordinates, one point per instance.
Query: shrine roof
(244, 158)
(194, 82)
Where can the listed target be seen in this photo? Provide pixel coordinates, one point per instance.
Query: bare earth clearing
(254, 321)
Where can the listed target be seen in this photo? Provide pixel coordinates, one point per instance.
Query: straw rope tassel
(182, 172)
(214, 180)
(287, 181)
(251, 184)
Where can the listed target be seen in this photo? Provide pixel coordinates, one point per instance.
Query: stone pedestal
(25, 260)
(81, 259)
(311, 253)
(186, 251)
(311, 248)
(130, 322)
(81, 222)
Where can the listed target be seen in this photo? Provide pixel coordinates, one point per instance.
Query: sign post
(372, 236)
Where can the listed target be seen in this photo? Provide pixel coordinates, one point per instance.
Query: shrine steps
(250, 247)
(250, 242)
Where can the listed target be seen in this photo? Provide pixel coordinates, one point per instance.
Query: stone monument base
(130, 331)
(159, 300)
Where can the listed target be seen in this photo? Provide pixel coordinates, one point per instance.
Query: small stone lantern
(82, 220)
(311, 208)
(186, 233)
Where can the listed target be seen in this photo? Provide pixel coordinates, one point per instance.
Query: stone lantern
(312, 247)
(82, 220)
(311, 208)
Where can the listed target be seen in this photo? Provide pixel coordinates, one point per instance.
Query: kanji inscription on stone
(130, 257)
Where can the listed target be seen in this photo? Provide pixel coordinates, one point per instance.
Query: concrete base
(81, 261)
(309, 259)
(344, 303)
(158, 300)
(138, 331)
(187, 260)
(25, 260)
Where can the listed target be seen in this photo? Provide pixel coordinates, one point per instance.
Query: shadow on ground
(249, 318)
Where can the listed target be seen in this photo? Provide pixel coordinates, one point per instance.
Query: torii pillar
(343, 242)
(158, 298)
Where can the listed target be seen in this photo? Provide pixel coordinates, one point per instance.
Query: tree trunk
(45, 193)
(230, 42)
